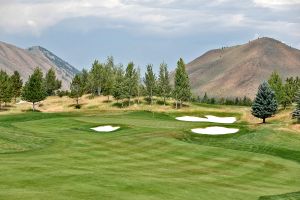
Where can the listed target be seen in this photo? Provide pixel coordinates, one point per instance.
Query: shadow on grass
(287, 196)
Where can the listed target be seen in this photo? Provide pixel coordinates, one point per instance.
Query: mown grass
(153, 156)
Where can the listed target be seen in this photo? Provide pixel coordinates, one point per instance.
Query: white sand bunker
(105, 128)
(215, 130)
(209, 118)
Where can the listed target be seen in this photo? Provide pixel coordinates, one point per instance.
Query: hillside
(25, 60)
(238, 71)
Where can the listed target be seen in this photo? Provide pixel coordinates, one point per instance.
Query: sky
(144, 31)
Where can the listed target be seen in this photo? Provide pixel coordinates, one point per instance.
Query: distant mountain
(237, 71)
(26, 60)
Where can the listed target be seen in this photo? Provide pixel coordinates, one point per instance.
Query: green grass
(152, 157)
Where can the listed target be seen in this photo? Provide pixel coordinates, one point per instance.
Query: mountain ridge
(237, 71)
(13, 58)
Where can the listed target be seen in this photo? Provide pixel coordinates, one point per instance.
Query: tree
(77, 88)
(51, 83)
(182, 89)
(287, 95)
(16, 85)
(5, 88)
(265, 103)
(140, 85)
(164, 88)
(296, 112)
(205, 98)
(150, 82)
(96, 77)
(131, 82)
(276, 85)
(85, 80)
(119, 86)
(109, 77)
(34, 89)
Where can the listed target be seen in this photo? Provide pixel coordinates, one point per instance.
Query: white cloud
(150, 16)
(277, 4)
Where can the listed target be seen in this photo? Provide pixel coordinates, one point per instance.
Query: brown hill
(237, 71)
(25, 61)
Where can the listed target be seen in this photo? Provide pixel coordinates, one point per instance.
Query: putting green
(153, 156)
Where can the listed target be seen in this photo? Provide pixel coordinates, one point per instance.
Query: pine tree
(296, 112)
(34, 89)
(51, 83)
(131, 82)
(16, 85)
(265, 104)
(182, 89)
(205, 98)
(276, 85)
(150, 83)
(164, 88)
(5, 88)
(77, 88)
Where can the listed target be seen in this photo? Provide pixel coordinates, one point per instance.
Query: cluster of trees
(246, 101)
(275, 92)
(10, 87)
(296, 112)
(125, 84)
(36, 89)
(285, 92)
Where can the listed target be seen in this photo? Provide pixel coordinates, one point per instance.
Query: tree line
(36, 89)
(237, 101)
(126, 83)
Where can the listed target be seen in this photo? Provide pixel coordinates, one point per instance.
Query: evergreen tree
(131, 82)
(96, 77)
(205, 98)
(5, 88)
(34, 89)
(296, 112)
(182, 89)
(16, 85)
(164, 88)
(265, 104)
(51, 83)
(150, 82)
(77, 88)
(276, 85)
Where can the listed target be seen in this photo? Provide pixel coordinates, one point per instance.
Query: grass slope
(153, 156)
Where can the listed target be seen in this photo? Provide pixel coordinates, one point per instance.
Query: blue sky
(144, 31)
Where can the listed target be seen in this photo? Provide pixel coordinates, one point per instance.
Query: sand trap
(209, 118)
(215, 130)
(105, 128)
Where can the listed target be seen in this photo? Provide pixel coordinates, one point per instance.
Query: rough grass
(153, 156)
